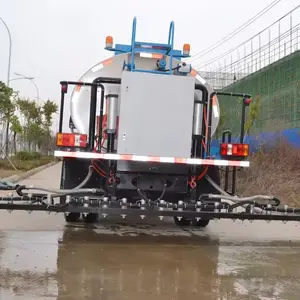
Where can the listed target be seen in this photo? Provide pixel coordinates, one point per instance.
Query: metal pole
(37, 90)
(7, 83)
(9, 52)
(31, 79)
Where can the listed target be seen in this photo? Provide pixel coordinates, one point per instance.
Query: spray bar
(97, 202)
(153, 212)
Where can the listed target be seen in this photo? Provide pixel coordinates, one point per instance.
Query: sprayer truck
(141, 125)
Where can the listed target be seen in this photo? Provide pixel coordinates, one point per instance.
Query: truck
(141, 126)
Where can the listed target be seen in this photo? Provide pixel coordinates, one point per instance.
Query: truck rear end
(139, 140)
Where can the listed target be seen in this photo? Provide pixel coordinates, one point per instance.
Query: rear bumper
(172, 160)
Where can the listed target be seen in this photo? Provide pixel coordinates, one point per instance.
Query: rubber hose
(87, 178)
(236, 198)
(66, 191)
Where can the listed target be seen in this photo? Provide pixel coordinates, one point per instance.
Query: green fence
(276, 87)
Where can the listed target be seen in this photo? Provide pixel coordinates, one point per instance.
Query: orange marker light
(186, 49)
(109, 41)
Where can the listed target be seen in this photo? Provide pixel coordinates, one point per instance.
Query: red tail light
(71, 140)
(238, 150)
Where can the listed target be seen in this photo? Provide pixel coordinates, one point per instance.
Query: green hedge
(26, 161)
(26, 155)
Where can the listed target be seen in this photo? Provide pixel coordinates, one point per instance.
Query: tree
(32, 120)
(49, 108)
(17, 129)
(7, 108)
(253, 113)
(29, 122)
(36, 121)
(229, 117)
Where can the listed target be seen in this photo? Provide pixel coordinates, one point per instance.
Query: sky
(54, 40)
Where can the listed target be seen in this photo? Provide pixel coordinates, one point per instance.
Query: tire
(201, 223)
(182, 222)
(204, 187)
(72, 217)
(90, 218)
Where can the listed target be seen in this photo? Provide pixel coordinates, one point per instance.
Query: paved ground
(42, 258)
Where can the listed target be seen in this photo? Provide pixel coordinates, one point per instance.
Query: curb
(16, 178)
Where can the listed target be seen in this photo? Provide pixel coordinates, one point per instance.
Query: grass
(275, 172)
(7, 173)
(6, 169)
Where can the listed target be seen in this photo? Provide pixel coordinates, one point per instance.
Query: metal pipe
(112, 112)
(7, 82)
(203, 136)
(111, 144)
(227, 168)
(109, 138)
(203, 89)
(245, 98)
(243, 122)
(101, 118)
(96, 82)
(224, 135)
(100, 81)
(233, 189)
(9, 52)
(61, 113)
(209, 122)
(204, 101)
(93, 107)
(233, 94)
(110, 80)
(226, 179)
(197, 119)
(64, 85)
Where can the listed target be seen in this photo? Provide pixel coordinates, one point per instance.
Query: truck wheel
(201, 223)
(204, 187)
(182, 222)
(72, 217)
(90, 218)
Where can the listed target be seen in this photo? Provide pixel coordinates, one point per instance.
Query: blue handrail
(133, 42)
(171, 34)
(136, 46)
(169, 46)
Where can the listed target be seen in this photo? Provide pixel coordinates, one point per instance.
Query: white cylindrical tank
(113, 67)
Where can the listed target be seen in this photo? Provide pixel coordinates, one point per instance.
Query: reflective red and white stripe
(215, 107)
(151, 55)
(102, 64)
(174, 160)
(195, 74)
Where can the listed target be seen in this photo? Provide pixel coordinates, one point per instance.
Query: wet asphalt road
(42, 258)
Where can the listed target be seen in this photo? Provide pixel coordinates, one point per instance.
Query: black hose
(55, 195)
(146, 198)
(19, 190)
(255, 203)
(86, 179)
(163, 192)
(142, 195)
